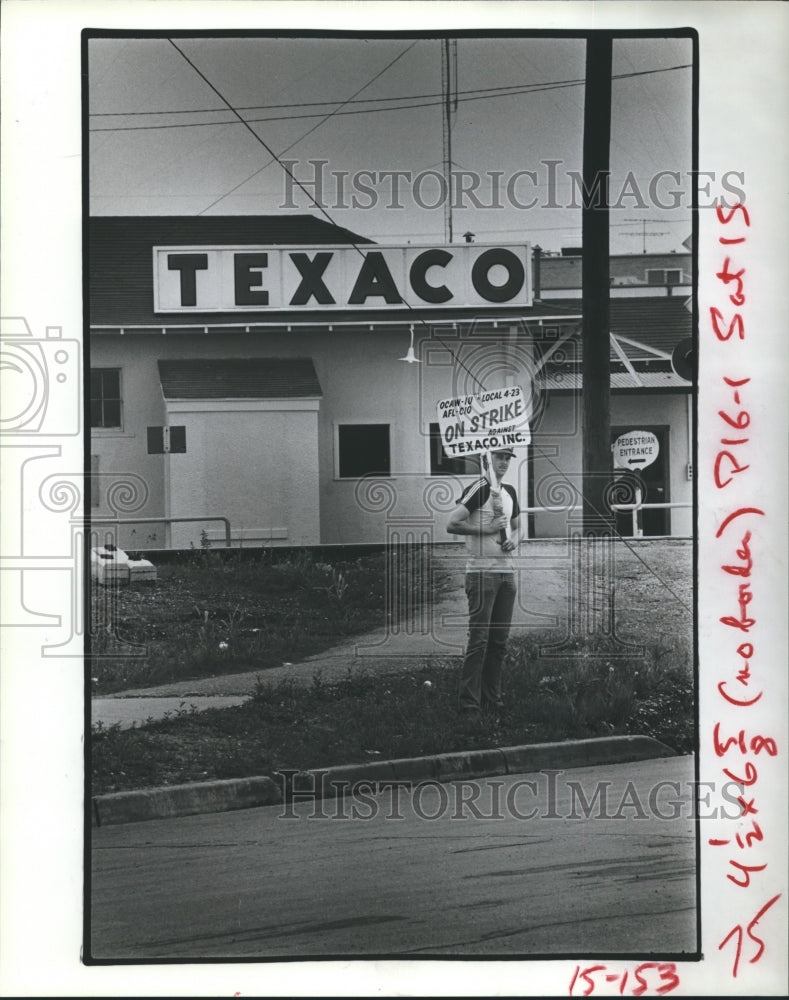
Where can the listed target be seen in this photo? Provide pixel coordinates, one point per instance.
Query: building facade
(249, 375)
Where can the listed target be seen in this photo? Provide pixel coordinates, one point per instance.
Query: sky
(164, 141)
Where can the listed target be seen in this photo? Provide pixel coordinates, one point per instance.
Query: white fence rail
(620, 508)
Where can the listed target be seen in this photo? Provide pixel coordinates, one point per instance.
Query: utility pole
(595, 278)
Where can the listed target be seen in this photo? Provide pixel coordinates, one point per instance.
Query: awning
(239, 378)
(643, 334)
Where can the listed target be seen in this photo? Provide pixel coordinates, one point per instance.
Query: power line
(360, 111)
(574, 228)
(402, 97)
(488, 93)
(362, 254)
(275, 156)
(317, 104)
(312, 198)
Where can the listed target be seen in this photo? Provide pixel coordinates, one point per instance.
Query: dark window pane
(442, 465)
(111, 383)
(112, 413)
(364, 450)
(105, 397)
(178, 440)
(155, 440)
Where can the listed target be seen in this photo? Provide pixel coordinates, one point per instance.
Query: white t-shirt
(484, 551)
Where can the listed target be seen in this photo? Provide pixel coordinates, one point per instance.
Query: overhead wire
(317, 104)
(471, 95)
(363, 100)
(408, 306)
(275, 157)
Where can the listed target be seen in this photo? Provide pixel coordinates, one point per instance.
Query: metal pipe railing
(635, 508)
(618, 507)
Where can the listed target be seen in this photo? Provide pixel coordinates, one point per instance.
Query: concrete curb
(184, 800)
(330, 782)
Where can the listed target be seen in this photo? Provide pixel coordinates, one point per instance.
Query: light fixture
(410, 357)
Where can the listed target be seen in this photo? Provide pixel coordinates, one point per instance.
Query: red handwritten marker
(734, 515)
(657, 977)
(731, 476)
(738, 931)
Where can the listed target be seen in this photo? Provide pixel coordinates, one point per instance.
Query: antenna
(449, 55)
(644, 232)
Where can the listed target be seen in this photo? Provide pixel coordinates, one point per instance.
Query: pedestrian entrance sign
(488, 421)
(635, 450)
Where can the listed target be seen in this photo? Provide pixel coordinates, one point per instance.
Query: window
(663, 276)
(363, 450)
(105, 397)
(442, 465)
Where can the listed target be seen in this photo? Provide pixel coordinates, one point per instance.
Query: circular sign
(683, 359)
(635, 450)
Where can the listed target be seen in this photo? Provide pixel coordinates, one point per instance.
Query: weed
(339, 585)
(367, 716)
(211, 614)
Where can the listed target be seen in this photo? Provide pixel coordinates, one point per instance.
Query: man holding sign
(486, 515)
(490, 424)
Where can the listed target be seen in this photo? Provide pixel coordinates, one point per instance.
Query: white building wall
(362, 381)
(130, 482)
(558, 457)
(253, 462)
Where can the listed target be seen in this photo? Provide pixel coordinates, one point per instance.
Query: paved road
(252, 883)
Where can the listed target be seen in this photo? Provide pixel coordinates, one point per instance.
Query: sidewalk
(433, 635)
(438, 636)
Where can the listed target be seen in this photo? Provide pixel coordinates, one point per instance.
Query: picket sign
(483, 423)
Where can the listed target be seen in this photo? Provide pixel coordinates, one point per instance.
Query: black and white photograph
(393, 419)
(419, 573)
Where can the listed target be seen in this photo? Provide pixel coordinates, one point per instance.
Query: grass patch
(577, 695)
(209, 615)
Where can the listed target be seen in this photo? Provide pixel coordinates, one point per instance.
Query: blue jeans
(491, 599)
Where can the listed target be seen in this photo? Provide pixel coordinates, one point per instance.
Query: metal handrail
(639, 505)
(614, 506)
(165, 520)
(619, 507)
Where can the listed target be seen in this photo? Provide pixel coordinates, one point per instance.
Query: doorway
(654, 479)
